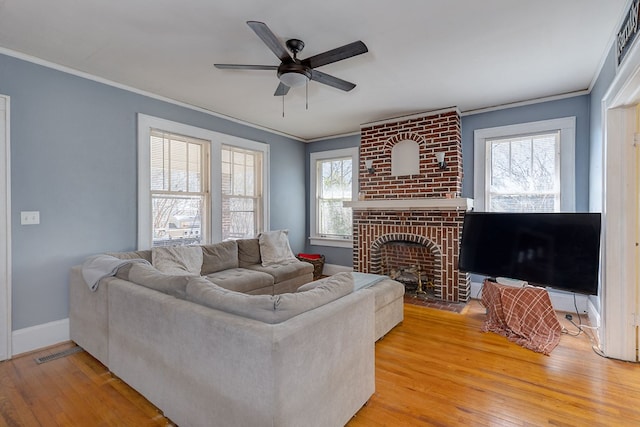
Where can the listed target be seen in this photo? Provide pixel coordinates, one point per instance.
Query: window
(527, 167)
(333, 181)
(198, 186)
(179, 188)
(241, 192)
(524, 174)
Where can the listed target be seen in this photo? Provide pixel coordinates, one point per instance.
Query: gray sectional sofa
(231, 347)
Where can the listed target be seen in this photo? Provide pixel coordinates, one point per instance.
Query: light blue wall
(601, 86)
(73, 158)
(577, 106)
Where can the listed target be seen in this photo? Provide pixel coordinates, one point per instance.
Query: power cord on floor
(581, 329)
(568, 332)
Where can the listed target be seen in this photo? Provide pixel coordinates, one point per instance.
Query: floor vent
(58, 355)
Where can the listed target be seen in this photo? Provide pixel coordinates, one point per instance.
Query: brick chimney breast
(436, 225)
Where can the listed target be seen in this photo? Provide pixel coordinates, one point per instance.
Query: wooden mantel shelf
(425, 204)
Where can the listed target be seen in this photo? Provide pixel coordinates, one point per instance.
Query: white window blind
(179, 188)
(242, 192)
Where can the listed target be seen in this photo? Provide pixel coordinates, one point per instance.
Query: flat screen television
(559, 250)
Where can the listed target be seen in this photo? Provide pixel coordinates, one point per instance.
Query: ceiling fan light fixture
(294, 79)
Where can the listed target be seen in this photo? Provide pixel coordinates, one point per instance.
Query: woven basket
(318, 265)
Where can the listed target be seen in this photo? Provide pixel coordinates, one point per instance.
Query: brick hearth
(384, 212)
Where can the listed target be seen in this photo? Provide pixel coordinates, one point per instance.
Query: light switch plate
(29, 217)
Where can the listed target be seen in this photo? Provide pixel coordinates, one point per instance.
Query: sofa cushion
(387, 291)
(274, 247)
(219, 256)
(248, 252)
(268, 308)
(243, 280)
(145, 254)
(177, 259)
(321, 282)
(312, 285)
(285, 270)
(150, 277)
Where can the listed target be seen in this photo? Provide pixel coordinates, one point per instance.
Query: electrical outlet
(29, 217)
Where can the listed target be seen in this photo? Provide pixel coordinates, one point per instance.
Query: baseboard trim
(39, 336)
(595, 321)
(331, 269)
(594, 315)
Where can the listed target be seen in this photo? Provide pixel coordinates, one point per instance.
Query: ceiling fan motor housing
(295, 46)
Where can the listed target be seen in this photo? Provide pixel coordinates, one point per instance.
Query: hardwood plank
(438, 368)
(435, 369)
(76, 390)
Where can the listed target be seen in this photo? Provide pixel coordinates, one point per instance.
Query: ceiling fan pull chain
(283, 106)
(306, 93)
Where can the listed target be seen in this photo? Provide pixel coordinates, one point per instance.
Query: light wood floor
(435, 369)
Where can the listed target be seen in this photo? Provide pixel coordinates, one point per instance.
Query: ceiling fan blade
(326, 79)
(245, 67)
(281, 90)
(270, 39)
(337, 54)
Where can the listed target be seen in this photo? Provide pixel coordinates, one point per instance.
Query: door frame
(5, 230)
(620, 281)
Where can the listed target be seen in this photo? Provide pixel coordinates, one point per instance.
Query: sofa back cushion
(150, 277)
(145, 254)
(274, 247)
(268, 308)
(219, 256)
(185, 260)
(248, 252)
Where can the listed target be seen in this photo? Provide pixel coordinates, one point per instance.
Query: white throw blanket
(98, 267)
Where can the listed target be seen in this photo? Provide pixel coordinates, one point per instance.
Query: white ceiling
(423, 54)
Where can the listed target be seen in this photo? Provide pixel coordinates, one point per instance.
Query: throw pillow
(184, 260)
(219, 256)
(274, 247)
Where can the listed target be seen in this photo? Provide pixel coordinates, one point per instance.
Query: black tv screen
(559, 250)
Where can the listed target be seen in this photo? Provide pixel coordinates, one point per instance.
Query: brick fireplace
(412, 222)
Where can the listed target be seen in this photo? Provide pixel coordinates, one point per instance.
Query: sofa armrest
(88, 315)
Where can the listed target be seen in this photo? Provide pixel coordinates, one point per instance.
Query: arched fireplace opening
(412, 260)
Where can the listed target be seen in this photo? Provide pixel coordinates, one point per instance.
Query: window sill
(336, 243)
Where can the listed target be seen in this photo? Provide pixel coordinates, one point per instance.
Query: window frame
(214, 227)
(314, 237)
(567, 129)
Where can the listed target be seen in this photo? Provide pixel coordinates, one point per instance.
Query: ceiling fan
(294, 72)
